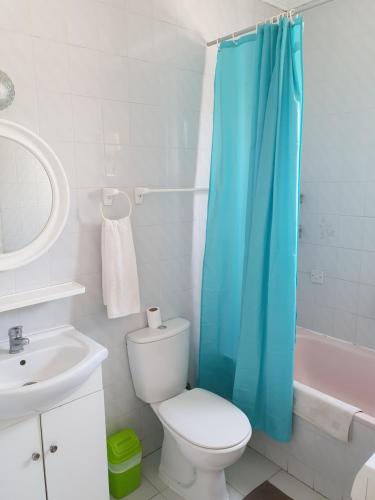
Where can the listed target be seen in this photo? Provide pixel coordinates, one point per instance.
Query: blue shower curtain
(248, 311)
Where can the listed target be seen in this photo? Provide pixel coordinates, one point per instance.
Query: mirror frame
(60, 195)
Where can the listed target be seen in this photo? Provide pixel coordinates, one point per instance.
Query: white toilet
(203, 433)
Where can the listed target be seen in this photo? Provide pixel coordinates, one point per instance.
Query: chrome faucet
(16, 341)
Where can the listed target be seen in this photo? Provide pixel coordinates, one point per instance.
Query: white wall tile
(338, 175)
(144, 7)
(345, 326)
(368, 268)
(349, 264)
(144, 82)
(140, 39)
(90, 165)
(85, 71)
(82, 23)
(112, 28)
(166, 10)
(366, 301)
(113, 77)
(369, 236)
(148, 126)
(51, 61)
(15, 16)
(51, 105)
(365, 332)
(346, 296)
(116, 122)
(87, 119)
(48, 19)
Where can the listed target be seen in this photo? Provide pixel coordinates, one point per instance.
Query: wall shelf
(40, 295)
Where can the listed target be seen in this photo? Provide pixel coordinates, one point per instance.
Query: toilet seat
(205, 419)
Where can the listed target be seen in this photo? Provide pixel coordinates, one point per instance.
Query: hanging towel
(325, 412)
(119, 268)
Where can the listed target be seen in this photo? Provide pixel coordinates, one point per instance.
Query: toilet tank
(158, 360)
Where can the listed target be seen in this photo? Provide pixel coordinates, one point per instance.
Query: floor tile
(144, 492)
(267, 491)
(150, 469)
(233, 493)
(250, 471)
(169, 494)
(294, 488)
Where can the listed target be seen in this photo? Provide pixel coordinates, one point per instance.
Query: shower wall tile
(337, 176)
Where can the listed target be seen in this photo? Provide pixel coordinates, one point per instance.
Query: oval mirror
(34, 196)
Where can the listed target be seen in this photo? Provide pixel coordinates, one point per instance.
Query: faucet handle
(15, 332)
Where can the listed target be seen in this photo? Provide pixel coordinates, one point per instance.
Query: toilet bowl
(203, 433)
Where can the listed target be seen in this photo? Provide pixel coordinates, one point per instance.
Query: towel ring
(108, 194)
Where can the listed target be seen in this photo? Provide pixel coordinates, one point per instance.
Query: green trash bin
(124, 462)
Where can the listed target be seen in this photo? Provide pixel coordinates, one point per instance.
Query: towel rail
(139, 192)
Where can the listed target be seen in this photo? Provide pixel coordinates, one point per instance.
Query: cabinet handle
(35, 457)
(53, 448)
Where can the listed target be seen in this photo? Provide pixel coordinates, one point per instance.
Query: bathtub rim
(361, 416)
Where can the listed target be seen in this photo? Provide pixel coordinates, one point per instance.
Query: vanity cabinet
(75, 453)
(21, 462)
(58, 455)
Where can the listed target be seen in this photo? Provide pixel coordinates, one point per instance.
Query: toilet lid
(205, 419)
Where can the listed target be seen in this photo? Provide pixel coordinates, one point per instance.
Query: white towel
(325, 412)
(119, 268)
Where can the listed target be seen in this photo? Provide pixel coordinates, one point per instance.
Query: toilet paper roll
(153, 317)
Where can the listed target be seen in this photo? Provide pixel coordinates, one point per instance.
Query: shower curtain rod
(249, 29)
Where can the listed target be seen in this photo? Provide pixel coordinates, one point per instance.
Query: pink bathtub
(339, 369)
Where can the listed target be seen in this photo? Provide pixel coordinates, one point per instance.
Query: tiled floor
(243, 477)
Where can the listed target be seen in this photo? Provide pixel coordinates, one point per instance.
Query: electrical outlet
(317, 277)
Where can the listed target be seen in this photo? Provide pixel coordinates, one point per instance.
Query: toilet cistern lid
(205, 419)
(168, 328)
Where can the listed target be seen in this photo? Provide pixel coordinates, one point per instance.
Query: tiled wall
(338, 175)
(122, 90)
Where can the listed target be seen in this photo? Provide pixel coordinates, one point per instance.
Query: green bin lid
(122, 446)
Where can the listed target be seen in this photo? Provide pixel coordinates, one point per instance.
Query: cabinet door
(75, 452)
(21, 476)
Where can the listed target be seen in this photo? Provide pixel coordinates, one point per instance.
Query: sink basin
(54, 364)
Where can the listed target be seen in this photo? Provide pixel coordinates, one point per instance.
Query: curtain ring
(233, 38)
(291, 14)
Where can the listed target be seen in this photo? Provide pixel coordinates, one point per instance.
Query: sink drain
(29, 383)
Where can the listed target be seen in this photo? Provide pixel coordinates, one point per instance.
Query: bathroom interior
(187, 250)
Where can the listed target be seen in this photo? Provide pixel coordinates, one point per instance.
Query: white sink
(54, 364)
